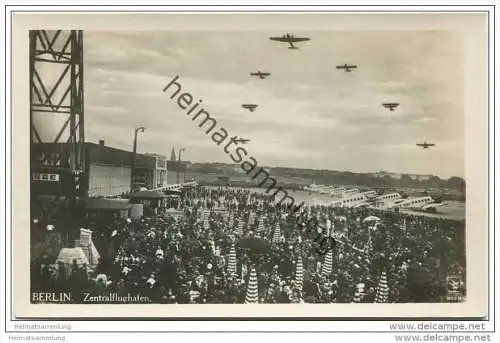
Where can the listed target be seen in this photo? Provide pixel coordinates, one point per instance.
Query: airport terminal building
(107, 170)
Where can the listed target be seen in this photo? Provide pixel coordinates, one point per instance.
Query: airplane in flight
(290, 39)
(425, 145)
(241, 140)
(260, 74)
(250, 107)
(347, 67)
(390, 105)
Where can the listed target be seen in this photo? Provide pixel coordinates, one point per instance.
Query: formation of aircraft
(290, 39)
(390, 105)
(347, 67)
(286, 38)
(260, 74)
(425, 145)
(250, 107)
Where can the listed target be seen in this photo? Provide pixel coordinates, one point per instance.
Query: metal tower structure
(57, 120)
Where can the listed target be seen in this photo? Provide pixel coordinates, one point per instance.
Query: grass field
(452, 210)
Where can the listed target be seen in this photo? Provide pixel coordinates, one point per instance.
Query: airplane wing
(298, 39)
(431, 144)
(341, 67)
(352, 66)
(280, 39)
(418, 144)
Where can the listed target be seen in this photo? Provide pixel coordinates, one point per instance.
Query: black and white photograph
(261, 166)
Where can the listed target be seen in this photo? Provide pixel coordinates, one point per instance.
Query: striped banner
(277, 234)
(299, 274)
(360, 293)
(252, 288)
(231, 263)
(382, 295)
(326, 268)
(261, 227)
(239, 230)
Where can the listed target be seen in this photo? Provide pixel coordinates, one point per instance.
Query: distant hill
(331, 177)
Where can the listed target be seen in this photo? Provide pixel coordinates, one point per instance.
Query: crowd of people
(225, 245)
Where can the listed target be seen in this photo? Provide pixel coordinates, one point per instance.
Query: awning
(107, 204)
(371, 219)
(147, 195)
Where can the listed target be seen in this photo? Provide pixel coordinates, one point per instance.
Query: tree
(456, 182)
(406, 180)
(434, 182)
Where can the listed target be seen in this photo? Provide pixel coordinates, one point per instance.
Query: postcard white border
(476, 305)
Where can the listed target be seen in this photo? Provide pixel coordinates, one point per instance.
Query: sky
(310, 114)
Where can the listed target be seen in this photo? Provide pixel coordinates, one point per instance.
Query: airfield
(454, 210)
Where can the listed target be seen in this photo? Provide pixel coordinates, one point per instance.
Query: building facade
(176, 172)
(160, 173)
(107, 170)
